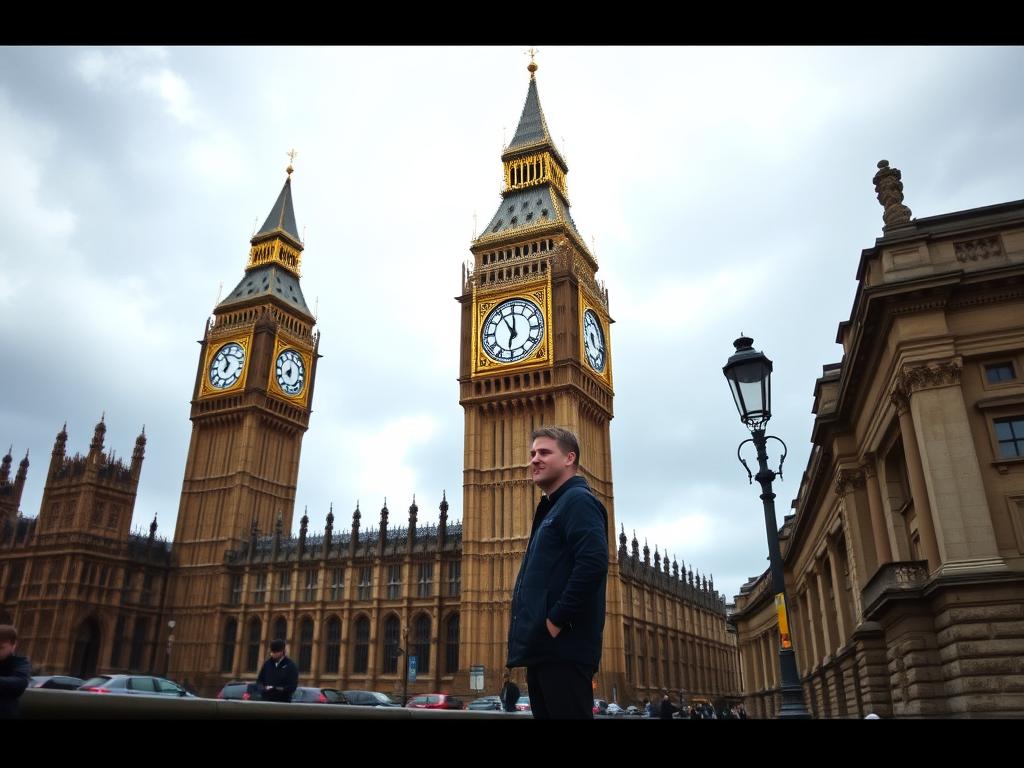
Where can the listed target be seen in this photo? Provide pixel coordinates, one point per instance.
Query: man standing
(279, 677)
(558, 603)
(509, 693)
(14, 673)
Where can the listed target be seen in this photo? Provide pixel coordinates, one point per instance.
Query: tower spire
(275, 258)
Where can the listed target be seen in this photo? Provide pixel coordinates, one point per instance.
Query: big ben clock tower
(250, 409)
(536, 350)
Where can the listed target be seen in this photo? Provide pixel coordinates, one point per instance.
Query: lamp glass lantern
(749, 374)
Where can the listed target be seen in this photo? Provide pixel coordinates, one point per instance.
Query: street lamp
(749, 375)
(170, 644)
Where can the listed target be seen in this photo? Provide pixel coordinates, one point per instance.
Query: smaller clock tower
(250, 408)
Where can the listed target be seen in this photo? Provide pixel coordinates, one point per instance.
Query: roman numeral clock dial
(512, 330)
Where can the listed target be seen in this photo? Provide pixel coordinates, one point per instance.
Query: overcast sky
(725, 189)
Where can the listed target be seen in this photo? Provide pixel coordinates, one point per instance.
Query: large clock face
(593, 341)
(227, 365)
(291, 372)
(512, 330)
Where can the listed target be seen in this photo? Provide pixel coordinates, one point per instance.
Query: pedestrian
(667, 710)
(558, 602)
(279, 676)
(14, 673)
(509, 693)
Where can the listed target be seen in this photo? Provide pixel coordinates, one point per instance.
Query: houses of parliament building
(89, 596)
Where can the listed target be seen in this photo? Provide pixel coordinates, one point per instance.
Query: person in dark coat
(558, 602)
(667, 709)
(279, 677)
(509, 694)
(14, 673)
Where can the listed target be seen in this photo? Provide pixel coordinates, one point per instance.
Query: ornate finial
(889, 189)
(291, 159)
(152, 527)
(305, 517)
(532, 66)
(330, 516)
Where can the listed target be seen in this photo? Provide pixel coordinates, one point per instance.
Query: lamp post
(404, 651)
(170, 644)
(749, 375)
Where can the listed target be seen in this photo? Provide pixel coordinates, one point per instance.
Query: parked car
(633, 711)
(369, 699)
(486, 703)
(139, 685)
(304, 695)
(614, 710)
(600, 706)
(239, 690)
(435, 701)
(523, 704)
(60, 682)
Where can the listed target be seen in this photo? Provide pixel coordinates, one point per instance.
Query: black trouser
(561, 690)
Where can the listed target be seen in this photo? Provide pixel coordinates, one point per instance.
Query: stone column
(918, 487)
(961, 518)
(883, 547)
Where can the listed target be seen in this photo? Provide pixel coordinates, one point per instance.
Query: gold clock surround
(585, 303)
(273, 388)
(538, 292)
(212, 348)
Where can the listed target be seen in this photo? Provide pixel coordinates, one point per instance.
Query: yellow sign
(780, 607)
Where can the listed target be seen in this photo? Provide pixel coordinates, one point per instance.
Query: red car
(435, 701)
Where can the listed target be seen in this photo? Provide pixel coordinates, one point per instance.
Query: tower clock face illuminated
(227, 365)
(593, 341)
(512, 330)
(291, 372)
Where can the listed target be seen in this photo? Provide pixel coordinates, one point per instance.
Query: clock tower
(535, 351)
(250, 409)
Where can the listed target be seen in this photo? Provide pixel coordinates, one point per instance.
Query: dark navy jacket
(283, 674)
(14, 674)
(562, 578)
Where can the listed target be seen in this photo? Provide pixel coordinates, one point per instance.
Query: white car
(614, 710)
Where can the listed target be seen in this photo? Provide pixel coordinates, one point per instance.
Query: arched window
(227, 654)
(361, 662)
(421, 644)
(451, 645)
(254, 655)
(331, 659)
(280, 629)
(306, 645)
(389, 664)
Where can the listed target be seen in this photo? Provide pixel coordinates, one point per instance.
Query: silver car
(139, 685)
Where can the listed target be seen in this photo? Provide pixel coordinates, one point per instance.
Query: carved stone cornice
(868, 466)
(848, 479)
(928, 376)
(911, 380)
(981, 248)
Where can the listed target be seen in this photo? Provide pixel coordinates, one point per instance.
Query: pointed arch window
(227, 654)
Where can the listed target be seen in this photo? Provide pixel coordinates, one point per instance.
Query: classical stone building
(536, 349)
(904, 557)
